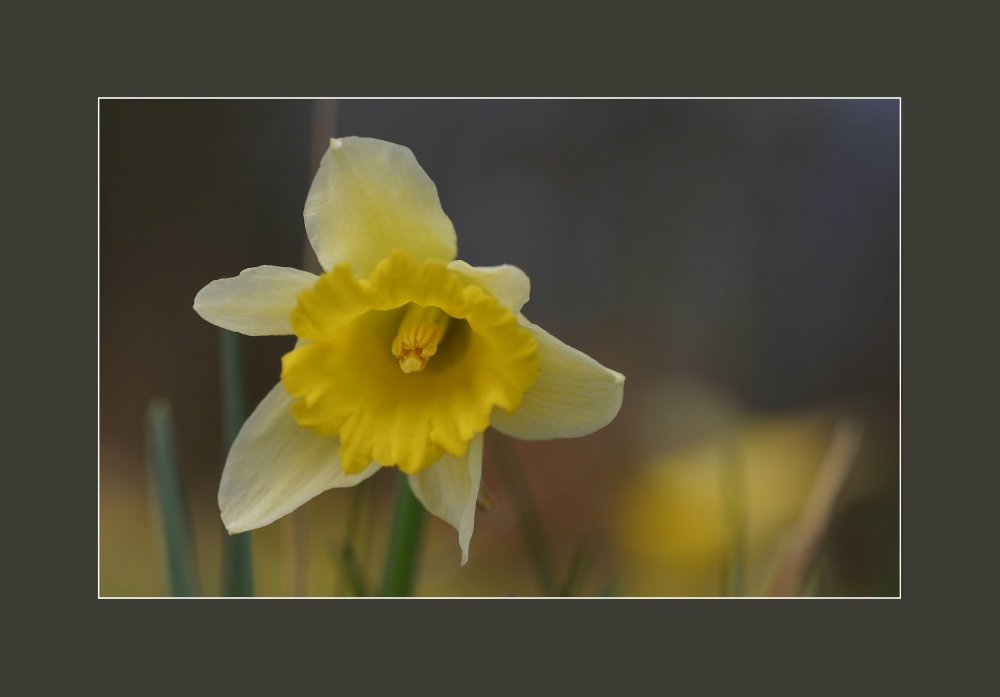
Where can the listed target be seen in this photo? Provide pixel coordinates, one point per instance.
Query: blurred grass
(535, 538)
(172, 505)
(353, 551)
(666, 533)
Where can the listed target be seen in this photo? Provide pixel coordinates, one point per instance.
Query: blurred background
(737, 260)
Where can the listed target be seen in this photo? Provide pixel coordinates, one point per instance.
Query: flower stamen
(418, 336)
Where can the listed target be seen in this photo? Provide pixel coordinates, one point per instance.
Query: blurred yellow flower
(405, 355)
(676, 528)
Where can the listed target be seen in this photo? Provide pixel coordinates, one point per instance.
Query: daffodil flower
(404, 355)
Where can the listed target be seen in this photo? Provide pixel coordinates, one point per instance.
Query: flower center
(346, 383)
(418, 336)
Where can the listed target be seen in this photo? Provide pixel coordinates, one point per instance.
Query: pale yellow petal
(508, 283)
(369, 198)
(275, 466)
(449, 488)
(572, 396)
(258, 302)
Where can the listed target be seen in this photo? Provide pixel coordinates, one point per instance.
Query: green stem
(166, 478)
(237, 564)
(528, 515)
(581, 564)
(352, 572)
(404, 543)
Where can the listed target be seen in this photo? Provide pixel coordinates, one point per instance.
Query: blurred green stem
(527, 512)
(404, 543)
(353, 575)
(237, 559)
(166, 475)
(582, 560)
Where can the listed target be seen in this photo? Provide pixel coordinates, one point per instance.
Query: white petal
(449, 488)
(369, 198)
(275, 466)
(573, 396)
(258, 302)
(511, 285)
